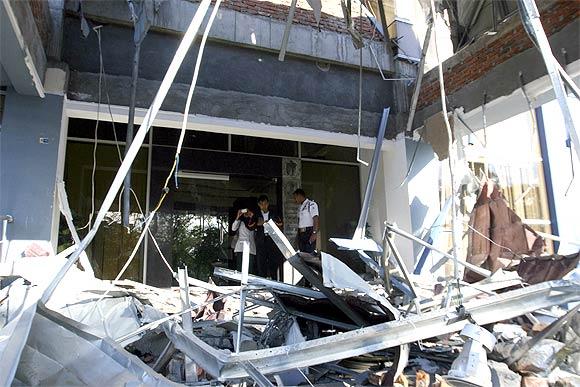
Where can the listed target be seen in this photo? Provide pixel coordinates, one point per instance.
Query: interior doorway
(192, 226)
(204, 207)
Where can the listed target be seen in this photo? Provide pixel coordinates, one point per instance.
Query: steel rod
(372, 179)
(476, 269)
(244, 283)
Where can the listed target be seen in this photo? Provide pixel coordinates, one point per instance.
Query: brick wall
(497, 50)
(331, 17)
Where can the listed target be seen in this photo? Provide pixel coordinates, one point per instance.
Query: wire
(530, 109)
(495, 243)
(192, 86)
(97, 30)
(449, 147)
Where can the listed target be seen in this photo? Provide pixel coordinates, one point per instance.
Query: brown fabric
(547, 268)
(493, 218)
(480, 219)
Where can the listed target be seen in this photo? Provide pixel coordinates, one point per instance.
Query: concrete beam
(251, 108)
(22, 55)
(247, 30)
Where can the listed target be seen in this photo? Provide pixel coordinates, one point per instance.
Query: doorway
(203, 209)
(193, 224)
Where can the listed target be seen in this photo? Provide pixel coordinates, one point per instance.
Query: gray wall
(28, 169)
(226, 67)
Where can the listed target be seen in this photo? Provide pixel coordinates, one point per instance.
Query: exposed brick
(498, 51)
(273, 9)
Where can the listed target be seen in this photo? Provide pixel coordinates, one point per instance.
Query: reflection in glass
(113, 243)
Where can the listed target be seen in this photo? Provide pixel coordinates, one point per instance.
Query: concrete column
(390, 202)
(32, 148)
(291, 180)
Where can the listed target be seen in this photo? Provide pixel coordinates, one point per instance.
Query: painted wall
(29, 167)
(423, 185)
(566, 187)
(390, 201)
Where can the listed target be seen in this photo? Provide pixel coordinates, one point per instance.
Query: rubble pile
(332, 327)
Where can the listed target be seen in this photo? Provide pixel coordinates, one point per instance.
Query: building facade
(257, 125)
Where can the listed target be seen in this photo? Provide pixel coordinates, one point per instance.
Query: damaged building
(438, 139)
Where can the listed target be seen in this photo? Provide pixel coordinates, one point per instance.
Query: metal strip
(258, 377)
(280, 286)
(532, 24)
(419, 80)
(402, 266)
(279, 239)
(186, 320)
(287, 29)
(65, 210)
(372, 179)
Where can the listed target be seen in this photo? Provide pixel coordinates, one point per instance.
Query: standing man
(268, 256)
(308, 222)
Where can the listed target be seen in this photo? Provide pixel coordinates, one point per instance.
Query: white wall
(567, 205)
(390, 202)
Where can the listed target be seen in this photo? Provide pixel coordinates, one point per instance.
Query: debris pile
(331, 327)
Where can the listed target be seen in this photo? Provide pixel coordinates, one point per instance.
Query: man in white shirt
(308, 222)
(245, 228)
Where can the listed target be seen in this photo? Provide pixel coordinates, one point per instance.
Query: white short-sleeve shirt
(308, 210)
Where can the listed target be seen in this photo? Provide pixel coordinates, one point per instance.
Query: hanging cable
(192, 87)
(449, 150)
(97, 30)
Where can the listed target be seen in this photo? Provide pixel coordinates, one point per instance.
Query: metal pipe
(130, 124)
(244, 283)
(419, 80)
(476, 269)
(372, 179)
(402, 266)
(186, 42)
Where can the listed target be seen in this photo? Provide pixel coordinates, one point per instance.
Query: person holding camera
(245, 228)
